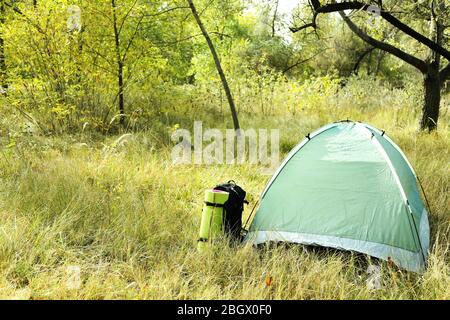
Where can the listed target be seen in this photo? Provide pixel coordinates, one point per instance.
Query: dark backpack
(233, 208)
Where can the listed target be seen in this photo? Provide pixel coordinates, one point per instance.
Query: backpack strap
(216, 205)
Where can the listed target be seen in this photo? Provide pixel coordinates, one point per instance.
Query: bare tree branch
(308, 25)
(166, 11)
(410, 59)
(130, 42)
(217, 63)
(31, 22)
(304, 60)
(361, 58)
(356, 5)
(126, 16)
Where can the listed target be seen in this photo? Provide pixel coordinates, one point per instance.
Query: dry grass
(129, 218)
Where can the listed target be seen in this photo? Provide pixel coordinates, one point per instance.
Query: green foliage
(65, 80)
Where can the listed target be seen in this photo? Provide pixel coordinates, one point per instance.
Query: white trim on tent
(424, 230)
(412, 261)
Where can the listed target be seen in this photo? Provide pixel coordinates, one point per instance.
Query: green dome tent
(346, 186)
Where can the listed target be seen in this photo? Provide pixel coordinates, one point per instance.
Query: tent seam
(375, 141)
(393, 144)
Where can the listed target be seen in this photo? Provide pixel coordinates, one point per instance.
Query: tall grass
(128, 217)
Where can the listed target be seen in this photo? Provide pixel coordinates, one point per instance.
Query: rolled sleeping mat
(211, 225)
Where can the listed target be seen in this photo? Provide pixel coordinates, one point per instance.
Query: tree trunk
(361, 58)
(432, 100)
(121, 97)
(379, 60)
(119, 65)
(274, 20)
(432, 81)
(3, 74)
(226, 88)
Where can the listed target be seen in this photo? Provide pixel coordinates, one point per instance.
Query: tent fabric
(347, 186)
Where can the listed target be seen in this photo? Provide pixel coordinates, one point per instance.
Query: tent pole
(424, 195)
(251, 213)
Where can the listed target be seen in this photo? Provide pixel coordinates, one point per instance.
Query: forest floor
(109, 217)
